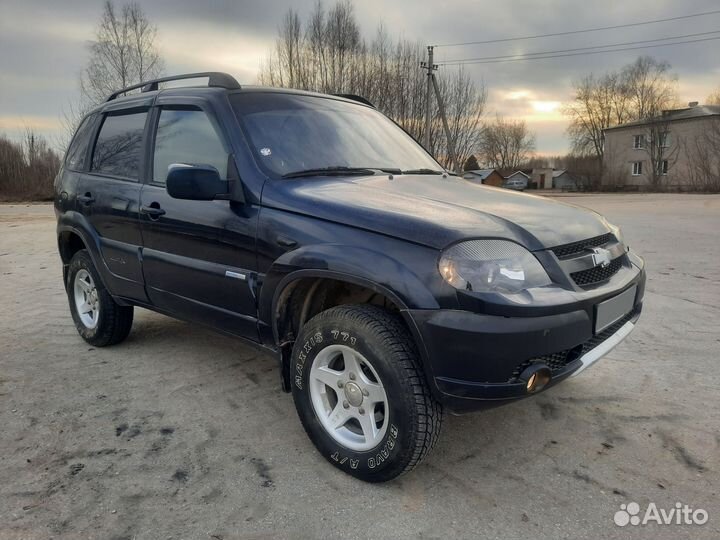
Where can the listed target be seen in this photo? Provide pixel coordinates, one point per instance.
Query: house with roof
(545, 178)
(661, 151)
(518, 177)
(565, 180)
(489, 177)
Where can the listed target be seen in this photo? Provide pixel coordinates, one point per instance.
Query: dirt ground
(182, 433)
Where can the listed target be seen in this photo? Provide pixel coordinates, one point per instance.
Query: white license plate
(614, 309)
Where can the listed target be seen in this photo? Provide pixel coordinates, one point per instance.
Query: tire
(108, 323)
(377, 440)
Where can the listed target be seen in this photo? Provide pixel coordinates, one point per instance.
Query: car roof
(138, 99)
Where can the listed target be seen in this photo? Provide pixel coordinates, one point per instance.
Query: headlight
(491, 266)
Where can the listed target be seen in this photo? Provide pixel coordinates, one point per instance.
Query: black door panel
(199, 257)
(110, 202)
(195, 257)
(113, 214)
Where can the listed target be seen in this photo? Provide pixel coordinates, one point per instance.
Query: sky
(43, 48)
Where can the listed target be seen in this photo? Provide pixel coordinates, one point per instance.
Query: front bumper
(475, 360)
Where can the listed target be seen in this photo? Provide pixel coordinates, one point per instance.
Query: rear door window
(119, 145)
(77, 152)
(187, 136)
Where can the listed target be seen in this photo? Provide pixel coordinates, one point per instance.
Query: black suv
(315, 227)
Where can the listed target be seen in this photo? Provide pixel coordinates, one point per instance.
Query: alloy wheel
(87, 301)
(348, 397)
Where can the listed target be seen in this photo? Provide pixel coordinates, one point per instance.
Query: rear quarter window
(119, 145)
(76, 155)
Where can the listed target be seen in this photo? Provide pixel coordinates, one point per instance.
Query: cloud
(188, 46)
(547, 107)
(37, 123)
(43, 46)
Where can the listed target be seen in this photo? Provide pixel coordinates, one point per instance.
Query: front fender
(412, 284)
(404, 285)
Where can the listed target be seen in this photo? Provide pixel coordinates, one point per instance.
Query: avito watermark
(680, 514)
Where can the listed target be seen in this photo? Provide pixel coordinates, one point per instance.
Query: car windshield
(291, 134)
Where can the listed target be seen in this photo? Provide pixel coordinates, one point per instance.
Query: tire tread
(115, 320)
(394, 335)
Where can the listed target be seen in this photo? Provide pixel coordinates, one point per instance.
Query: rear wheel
(360, 392)
(98, 318)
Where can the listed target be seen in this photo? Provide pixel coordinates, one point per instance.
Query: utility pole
(430, 68)
(451, 146)
(432, 84)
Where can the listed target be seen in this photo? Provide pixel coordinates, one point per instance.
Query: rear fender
(76, 223)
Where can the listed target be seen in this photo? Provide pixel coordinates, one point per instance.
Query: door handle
(86, 199)
(153, 211)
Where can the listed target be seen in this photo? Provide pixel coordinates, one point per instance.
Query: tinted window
(118, 146)
(291, 133)
(77, 151)
(187, 136)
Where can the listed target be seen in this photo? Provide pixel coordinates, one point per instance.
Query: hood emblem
(600, 257)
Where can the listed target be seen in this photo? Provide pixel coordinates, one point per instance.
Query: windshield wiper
(423, 171)
(338, 171)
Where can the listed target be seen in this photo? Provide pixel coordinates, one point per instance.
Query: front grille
(557, 361)
(567, 251)
(597, 274)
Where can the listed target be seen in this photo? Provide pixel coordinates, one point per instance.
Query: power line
(571, 32)
(584, 53)
(522, 55)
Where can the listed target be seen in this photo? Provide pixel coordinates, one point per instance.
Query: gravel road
(183, 433)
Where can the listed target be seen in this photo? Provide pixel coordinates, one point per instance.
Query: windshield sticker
(265, 152)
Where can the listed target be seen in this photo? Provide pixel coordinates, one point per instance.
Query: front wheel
(360, 393)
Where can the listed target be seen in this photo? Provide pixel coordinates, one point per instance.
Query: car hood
(435, 211)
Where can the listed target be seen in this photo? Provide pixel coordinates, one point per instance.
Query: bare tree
(289, 48)
(343, 34)
(27, 169)
(714, 98)
(329, 55)
(506, 144)
(703, 153)
(583, 169)
(661, 150)
(600, 103)
(464, 105)
(650, 87)
(124, 52)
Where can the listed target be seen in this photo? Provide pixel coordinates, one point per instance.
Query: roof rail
(215, 78)
(357, 98)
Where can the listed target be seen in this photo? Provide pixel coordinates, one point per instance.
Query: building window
(638, 141)
(663, 166)
(664, 139)
(637, 168)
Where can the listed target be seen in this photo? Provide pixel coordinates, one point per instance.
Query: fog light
(536, 377)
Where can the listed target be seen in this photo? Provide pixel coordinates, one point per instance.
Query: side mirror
(195, 182)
